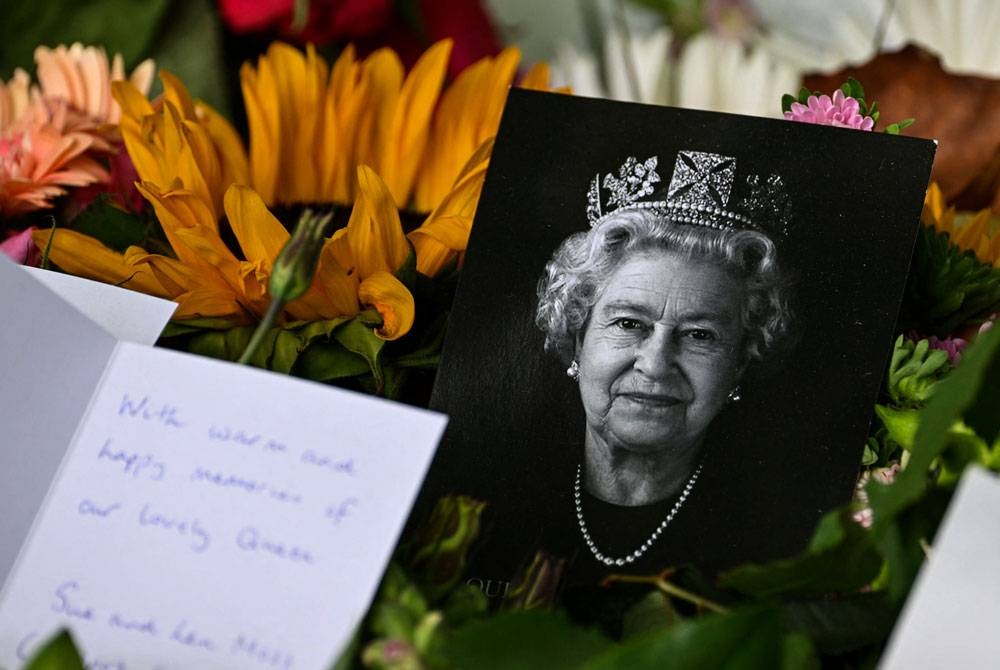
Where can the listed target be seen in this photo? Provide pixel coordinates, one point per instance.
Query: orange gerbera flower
(40, 155)
(82, 76)
(51, 133)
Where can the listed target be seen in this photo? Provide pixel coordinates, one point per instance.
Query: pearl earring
(573, 371)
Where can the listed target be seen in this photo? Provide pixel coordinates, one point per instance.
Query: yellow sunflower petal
(144, 154)
(411, 122)
(133, 103)
(445, 232)
(177, 94)
(374, 230)
(334, 291)
(173, 275)
(392, 300)
(468, 114)
(537, 77)
(191, 229)
(260, 234)
(262, 118)
(384, 72)
(207, 303)
(84, 256)
(232, 153)
(348, 97)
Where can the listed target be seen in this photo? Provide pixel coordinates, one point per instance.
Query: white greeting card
(187, 512)
(128, 315)
(952, 616)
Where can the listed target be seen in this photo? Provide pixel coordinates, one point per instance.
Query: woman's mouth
(652, 399)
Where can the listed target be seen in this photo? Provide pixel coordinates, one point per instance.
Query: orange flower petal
(411, 122)
(84, 256)
(374, 230)
(392, 300)
(260, 234)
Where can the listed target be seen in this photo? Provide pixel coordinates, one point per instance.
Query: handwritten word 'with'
(146, 410)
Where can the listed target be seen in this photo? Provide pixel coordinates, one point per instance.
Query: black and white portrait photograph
(670, 328)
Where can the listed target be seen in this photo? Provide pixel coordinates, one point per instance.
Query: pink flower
(20, 248)
(884, 476)
(41, 155)
(953, 346)
(840, 111)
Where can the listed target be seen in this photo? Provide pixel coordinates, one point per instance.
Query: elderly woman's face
(661, 352)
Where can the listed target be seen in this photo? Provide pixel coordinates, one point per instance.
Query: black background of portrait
(791, 448)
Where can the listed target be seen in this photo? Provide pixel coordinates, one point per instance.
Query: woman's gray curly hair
(575, 276)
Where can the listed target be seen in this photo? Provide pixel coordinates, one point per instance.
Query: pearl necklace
(607, 560)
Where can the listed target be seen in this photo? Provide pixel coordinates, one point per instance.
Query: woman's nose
(656, 355)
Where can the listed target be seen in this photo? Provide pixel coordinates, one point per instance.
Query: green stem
(660, 581)
(273, 310)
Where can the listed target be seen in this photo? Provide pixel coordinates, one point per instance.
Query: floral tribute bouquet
(393, 160)
(325, 246)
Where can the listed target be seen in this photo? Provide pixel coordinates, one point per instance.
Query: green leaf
(751, 638)
(27, 24)
(287, 346)
(786, 102)
(845, 623)
(892, 129)
(856, 89)
(901, 424)
(59, 653)
(970, 393)
(983, 414)
(902, 535)
(957, 395)
(225, 344)
(804, 94)
(870, 456)
(841, 557)
(188, 326)
(113, 227)
(202, 68)
(359, 337)
(525, 639)
(328, 361)
(651, 614)
(948, 288)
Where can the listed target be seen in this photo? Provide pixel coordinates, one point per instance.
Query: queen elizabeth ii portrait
(669, 332)
(658, 310)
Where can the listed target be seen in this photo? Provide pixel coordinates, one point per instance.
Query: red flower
(328, 20)
(467, 23)
(373, 24)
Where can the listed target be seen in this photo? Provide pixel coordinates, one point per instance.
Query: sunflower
(359, 134)
(977, 232)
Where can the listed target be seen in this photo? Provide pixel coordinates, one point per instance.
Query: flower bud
(538, 585)
(438, 550)
(293, 269)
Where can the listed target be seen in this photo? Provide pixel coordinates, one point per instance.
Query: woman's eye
(701, 335)
(628, 324)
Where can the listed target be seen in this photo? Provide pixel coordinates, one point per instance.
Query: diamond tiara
(698, 194)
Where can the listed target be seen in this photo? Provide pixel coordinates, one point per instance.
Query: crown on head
(699, 193)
